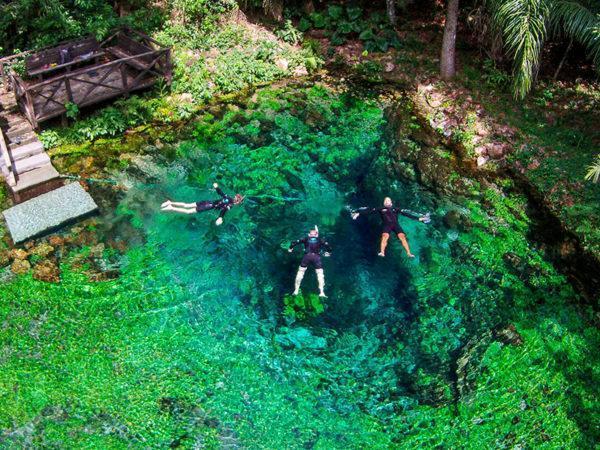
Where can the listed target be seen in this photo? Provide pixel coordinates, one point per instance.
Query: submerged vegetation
(197, 343)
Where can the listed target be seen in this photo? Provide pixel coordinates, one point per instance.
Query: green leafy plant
(72, 110)
(593, 172)
(288, 33)
(494, 76)
(344, 22)
(370, 70)
(49, 138)
(302, 306)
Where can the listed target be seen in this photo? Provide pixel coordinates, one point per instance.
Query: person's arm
(362, 210)
(294, 243)
(326, 246)
(219, 190)
(415, 216)
(224, 210)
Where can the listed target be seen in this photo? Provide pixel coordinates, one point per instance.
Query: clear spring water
(236, 275)
(201, 349)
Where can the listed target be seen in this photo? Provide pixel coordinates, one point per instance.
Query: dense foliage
(527, 25)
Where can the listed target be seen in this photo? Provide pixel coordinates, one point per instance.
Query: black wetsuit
(224, 204)
(389, 218)
(312, 250)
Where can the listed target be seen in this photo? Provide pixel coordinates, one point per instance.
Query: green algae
(195, 344)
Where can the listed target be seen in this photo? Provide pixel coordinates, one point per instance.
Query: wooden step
(25, 151)
(18, 128)
(23, 139)
(33, 162)
(17, 133)
(34, 177)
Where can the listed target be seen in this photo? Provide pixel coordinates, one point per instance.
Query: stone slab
(48, 212)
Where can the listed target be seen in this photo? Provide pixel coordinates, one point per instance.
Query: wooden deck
(103, 83)
(81, 73)
(92, 72)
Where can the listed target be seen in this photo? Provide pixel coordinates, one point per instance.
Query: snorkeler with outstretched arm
(313, 245)
(224, 204)
(389, 219)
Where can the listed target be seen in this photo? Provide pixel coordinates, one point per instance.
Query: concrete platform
(48, 212)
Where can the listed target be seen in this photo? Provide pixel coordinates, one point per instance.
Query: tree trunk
(448, 59)
(391, 11)
(562, 61)
(308, 7)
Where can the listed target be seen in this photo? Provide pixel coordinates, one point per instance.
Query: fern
(593, 173)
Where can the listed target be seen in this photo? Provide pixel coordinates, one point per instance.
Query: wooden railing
(136, 65)
(9, 172)
(52, 92)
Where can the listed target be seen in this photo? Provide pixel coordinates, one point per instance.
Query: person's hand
(215, 185)
(326, 254)
(219, 221)
(354, 215)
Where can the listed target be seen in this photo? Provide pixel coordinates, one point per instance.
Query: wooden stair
(24, 164)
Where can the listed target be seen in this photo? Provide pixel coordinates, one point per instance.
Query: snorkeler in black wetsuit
(312, 256)
(224, 204)
(389, 219)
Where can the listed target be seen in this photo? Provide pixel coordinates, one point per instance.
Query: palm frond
(594, 171)
(580, 23)
(524, 28)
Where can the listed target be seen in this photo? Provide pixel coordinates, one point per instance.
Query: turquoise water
(236, 276)
(198, 343)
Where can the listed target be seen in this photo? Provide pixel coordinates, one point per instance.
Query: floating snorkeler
(224, 204)
(389, 219)
(313, 245)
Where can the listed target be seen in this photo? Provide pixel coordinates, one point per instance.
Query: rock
(186, 97)
(389, 67)
(457, 221)
(43, 250)
(4, 258)
(300, 71)
(482, 160)
(120, 245)
(468, 364)
(18, 254)
(56, 241)
(97, 251)
(282, 63)
(28, 245)
(533, 165)
(481, 130)
(46, 270)
(481, 150)
(497, 150)
(509, 336)
(20, 266)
